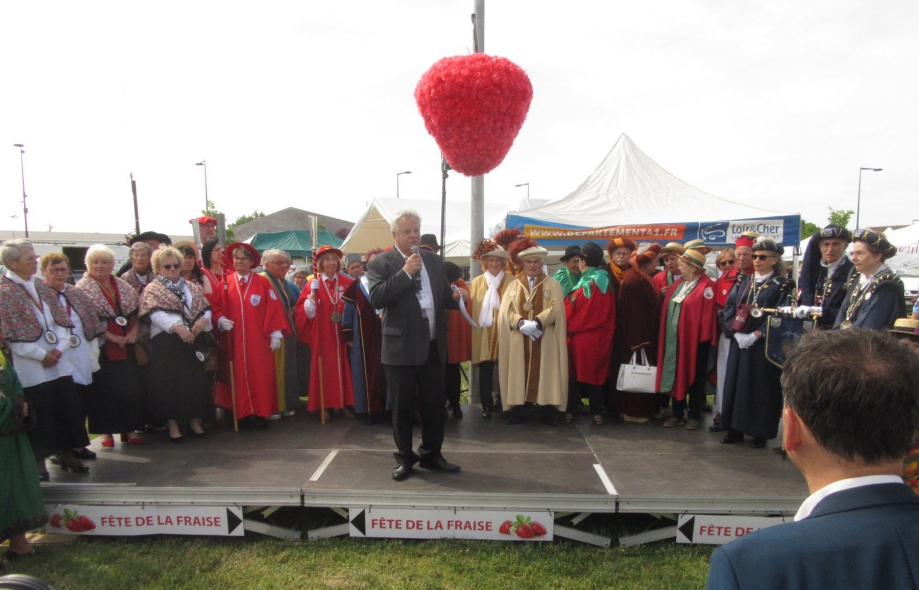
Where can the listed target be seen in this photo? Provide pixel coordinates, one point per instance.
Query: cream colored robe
(485, 340)
(553, 367)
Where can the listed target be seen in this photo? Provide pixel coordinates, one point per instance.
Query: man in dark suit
(409, 285)
(851, 408)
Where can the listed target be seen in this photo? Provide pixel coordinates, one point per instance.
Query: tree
(808, 229)
(246, 218)
(840, 217)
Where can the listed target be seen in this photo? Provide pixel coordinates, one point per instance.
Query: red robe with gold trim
(324, 338)
(257, 312)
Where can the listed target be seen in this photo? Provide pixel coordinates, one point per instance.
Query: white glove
(535, 335)
(527, 327)
(745, 340)
(309, 306)
(275, 343)
(786, 310)
(225, 324)
(804, 311)
(314, 286)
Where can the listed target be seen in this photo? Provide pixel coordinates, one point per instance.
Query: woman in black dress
(178, 313)
(752, 394)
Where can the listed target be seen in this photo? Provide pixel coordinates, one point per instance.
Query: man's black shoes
(439, 464)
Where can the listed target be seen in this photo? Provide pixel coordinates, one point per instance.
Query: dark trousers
(424, 383)
(487, 384)
(58, 415)
(454, 383)
(696, 392)
(594, 393)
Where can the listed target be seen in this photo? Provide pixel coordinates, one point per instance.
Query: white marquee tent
(372, 230)
(629, 188)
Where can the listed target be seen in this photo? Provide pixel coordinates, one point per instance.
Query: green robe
(21, 505)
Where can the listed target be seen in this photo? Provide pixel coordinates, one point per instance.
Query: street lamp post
(22, 169)
(206, 200)
(398, 174)
(526, 184)
(858, 203)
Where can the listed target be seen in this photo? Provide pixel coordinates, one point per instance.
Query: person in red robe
(318, 317)
(252, 312)
(670, 256)
(459, 342)
(687, 336)
(591, 313)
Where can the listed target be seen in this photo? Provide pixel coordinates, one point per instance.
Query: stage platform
(580, 467)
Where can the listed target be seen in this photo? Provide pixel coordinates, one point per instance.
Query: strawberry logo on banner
(474, 106)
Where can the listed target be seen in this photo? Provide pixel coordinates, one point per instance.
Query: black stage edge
(529, 466)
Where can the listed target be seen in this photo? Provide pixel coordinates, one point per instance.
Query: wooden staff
(321, 394)
(230, 349)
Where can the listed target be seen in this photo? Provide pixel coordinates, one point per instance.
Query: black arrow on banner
(358, 523)
(687, 528)
(233, 521)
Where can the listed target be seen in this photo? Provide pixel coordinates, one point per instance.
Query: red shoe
(133, 441)
(108, 442)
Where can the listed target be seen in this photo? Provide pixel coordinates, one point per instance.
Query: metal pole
(858, 203)
(136, 212)
(477, 201)
(444, 169)
(22, 169)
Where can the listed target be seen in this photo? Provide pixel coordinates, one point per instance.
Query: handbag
(741, 318)
(637, 377)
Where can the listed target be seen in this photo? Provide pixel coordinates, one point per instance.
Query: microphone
(417, 276)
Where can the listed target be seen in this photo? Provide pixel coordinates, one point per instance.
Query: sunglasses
(726, 263)
(172, 266)
(762, 256)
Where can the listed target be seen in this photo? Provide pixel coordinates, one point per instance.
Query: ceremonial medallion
(756, 312)
(121, 321)
(336, 317)
(200, 356)
(50, 337)
(527, 306)
(845, 325)
(74, 341)
(867, 295)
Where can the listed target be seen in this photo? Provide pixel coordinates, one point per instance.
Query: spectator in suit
(851, 408)
(410, 286)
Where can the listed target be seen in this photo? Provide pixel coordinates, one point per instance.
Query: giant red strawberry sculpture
(474, 106)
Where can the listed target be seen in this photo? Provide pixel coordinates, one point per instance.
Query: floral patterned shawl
(100, 305)
(157, 297)
(17, 318)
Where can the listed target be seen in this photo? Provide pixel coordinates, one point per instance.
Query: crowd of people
(184, 333)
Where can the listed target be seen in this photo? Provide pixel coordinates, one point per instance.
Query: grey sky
(310, 104)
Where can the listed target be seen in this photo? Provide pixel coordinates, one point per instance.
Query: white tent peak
(631, 188)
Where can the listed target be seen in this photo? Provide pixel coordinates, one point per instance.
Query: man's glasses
(172, 266)
(726, 263)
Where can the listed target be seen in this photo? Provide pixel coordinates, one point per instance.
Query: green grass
(257, 562)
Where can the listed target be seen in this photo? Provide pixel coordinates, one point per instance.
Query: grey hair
(270, 254)
(304, 270)
(99, 252)
(137, 246)
(13, 250)
(404, 214)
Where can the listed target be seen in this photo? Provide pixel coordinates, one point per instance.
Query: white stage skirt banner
(710, 529)
(491, 525)
(128, 521)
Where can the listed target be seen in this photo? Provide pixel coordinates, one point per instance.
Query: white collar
(17, 279)
(843, 484)
(831, 268)
(868, 278)
(760, 278)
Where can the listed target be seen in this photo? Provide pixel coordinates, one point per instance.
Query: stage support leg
(590, 538)
(271, 530)
(338, 530)
(647, 537)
